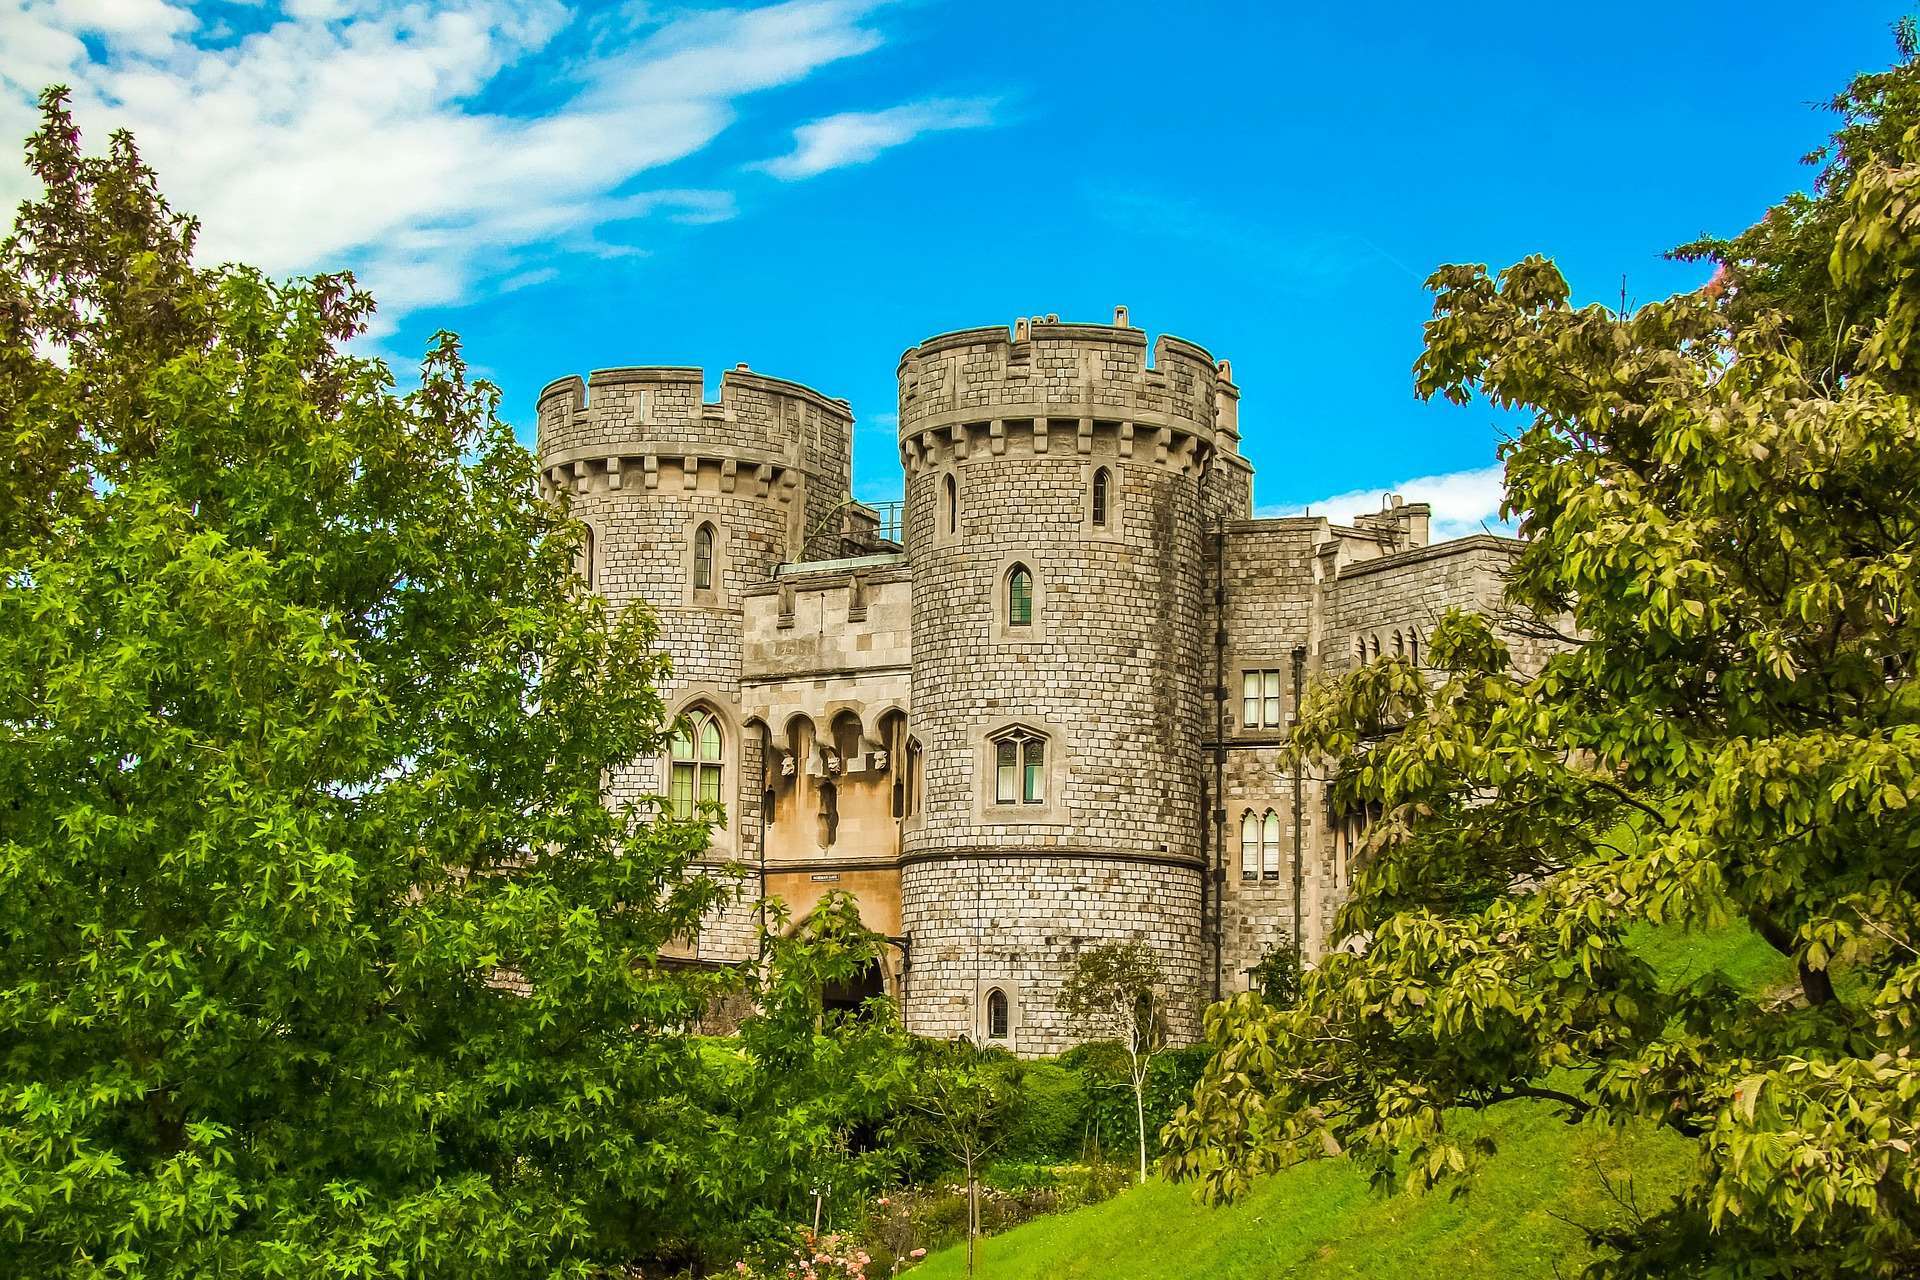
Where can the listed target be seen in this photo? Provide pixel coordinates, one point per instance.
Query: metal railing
(892, 520)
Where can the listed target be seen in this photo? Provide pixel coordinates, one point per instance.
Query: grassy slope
(1322, 1221)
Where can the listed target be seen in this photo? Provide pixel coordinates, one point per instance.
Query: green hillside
(1322, 1220)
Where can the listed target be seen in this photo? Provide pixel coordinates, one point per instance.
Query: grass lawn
(1322, 1220)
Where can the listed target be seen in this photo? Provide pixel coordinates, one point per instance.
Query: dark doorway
(848, 996)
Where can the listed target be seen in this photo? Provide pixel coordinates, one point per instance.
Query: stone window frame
(1113, 529)
(1241, 665)
(1009, 990)
(947, 534)
(1052, 809)
(591, 561)
(1034, 632)
(707, 698)
(1271, 831)
(716, 595)
(1249, 845)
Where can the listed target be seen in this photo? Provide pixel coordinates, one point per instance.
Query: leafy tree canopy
(319, 951)
(1721, 496)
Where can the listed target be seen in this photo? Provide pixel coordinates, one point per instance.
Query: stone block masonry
(1023, 732)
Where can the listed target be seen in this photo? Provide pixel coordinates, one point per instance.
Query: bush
(1049, 1121)
(1108, 1123)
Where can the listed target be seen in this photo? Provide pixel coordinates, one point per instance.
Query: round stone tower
(687, 504)
(1054, 526)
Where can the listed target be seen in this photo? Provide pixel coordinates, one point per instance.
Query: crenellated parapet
(649, 427)
(995, 390)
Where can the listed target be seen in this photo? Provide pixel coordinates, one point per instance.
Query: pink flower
(918, 1253)
(741, 1267)
(882, 1200)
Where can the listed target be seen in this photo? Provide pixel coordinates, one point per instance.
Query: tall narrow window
(1019, 768)
(1101, 479)
(703, 558)
(996, 1014)
(695, 758)
(1360, 650)
(587, 550)
(1019, 597)
(1033, 771)
(952, 506)
(1249, 846)
(1270, 846)
(1413, 647)
(1399, 645)
(1376, 648)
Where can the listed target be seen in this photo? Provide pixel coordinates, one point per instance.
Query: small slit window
(996, 1014)
(703, 558)
(1020, 597)
(587, 558)
(952, 507)
(1102, 478)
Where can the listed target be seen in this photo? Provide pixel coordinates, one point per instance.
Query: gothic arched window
(1270, 846)
(587, 560)
(695, 758)
(953, 506)
(1413, 646)
(996, 1014)
(1020, 597)
(1101, 480)
(1249, 846)
(703, 558)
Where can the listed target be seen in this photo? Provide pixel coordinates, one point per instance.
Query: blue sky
(813, 187)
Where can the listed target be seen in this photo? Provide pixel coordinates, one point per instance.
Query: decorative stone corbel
(997, 436)
(1126, 439)
(650, 471)
(729, 474)
(613, 472)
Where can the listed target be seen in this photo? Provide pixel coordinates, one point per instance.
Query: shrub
(1108, 1123)
(1049, 1121)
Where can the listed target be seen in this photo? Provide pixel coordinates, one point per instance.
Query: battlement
(1044, 376)
(634, 417)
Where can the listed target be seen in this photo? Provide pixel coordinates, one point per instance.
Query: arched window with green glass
(696, 757)
(1020, 597)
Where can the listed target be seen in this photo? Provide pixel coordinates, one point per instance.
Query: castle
(1040, 703)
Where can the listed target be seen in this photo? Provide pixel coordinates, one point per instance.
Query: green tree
(1719, 497)
(962, 1102)
(319, 953)
(1116, 991)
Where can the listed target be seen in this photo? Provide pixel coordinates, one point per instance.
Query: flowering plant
(832, 1256)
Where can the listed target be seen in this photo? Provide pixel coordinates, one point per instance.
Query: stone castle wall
(862, 687)
(643, 462)
(1008, 432)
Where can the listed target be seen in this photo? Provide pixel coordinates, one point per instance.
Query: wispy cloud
(334, 133)
(1463, 502)
(855, 137)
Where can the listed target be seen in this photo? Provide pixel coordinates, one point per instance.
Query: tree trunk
(973, 1213)
(1140, 1121)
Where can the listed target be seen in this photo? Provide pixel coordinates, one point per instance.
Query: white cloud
(855, 137)
(347, 132)
(1463, 502)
